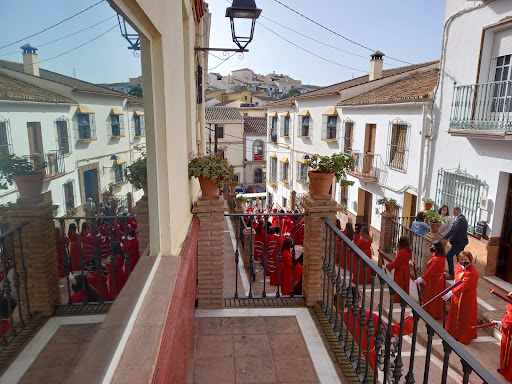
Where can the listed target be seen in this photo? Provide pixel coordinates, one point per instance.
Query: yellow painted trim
(115, 111)
(138, 113)
(331, 112)
(86, 140)
(285, 114)
(83, 109)
(284, 160)
(304, 112)
(120, 160)
(273, 114)
(330, 141)
(273, 154)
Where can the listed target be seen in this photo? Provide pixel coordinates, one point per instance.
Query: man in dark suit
(458, 237)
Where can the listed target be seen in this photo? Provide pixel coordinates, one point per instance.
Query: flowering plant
(338, 163)
(384, 200)
(137, 173)
(213, 167)
(427, 200)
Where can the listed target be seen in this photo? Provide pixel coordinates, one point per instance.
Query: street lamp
(242, 9)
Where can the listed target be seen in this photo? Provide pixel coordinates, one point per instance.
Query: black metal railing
(14, 286)
(54, 159)
(416, 241)
(270, 273)
(379, 341)
(101, 249)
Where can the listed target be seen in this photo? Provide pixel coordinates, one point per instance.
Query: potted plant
(324, 168)
(390, 204)
(434, 220)
(240, 200)
(28, 173)
(137, 174)
(213, 171)
(427, 204)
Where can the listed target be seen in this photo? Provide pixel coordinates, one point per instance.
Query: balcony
(366, 166)
(55, 165)
(482, 110)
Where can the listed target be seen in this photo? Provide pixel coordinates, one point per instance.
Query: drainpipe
(423, 147)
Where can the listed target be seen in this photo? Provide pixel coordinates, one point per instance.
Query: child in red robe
(75, 247)
(505, 324)
(87, 238)
(272, 248)
(116, 272)
(434, 280)
(463, 306)
(259, 238)
(133, 248)
(60, 245)
(340, 252)
(5, 303)
(365, 244)
(287, 268)
(83, 290)
(402, 274)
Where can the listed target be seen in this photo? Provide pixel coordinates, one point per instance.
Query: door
(504, 268)
(35, 139)
(409, 210)
(91, 185)
(369, 148)
(364, 207)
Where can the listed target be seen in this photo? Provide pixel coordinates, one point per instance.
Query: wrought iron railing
(266, 255)
(482, 107)
(14, 290)
(379, 341)
(416, 241)
(54, 159)
(102, 249)
(367, 166)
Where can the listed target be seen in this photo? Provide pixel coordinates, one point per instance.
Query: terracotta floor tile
(215, 326)
(249, 325)
(76, 333)
(288, 344)
(133, 375)
(282, 324)
(53, 375)
(214, 371)
(295, 369)
(255, 370)
(56, 355)
(214, 346)
(142, 346)
(251, 345)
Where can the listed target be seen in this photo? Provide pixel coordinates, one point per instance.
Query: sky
(408, 30)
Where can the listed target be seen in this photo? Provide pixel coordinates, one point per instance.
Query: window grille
(344, 195)
(86, 126)
(258, 176)
(116, 126)
(5, 136)
(61, 126)
(117, 175)
(139, 128)
(273, 129)
(273, 170)
(302, 173)
(348, 136)
(69, 195)
(330, 127)
(257, 152)
(220, 131)
(284, 172)
(457, 187)
(285, 126)
(270, 200)
(398, 144)
(303, 126)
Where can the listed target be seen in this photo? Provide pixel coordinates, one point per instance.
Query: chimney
(30, 62)
(376, 66)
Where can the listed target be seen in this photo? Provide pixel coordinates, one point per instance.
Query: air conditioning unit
(484, 203)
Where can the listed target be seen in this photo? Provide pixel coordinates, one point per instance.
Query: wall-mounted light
(113, 159)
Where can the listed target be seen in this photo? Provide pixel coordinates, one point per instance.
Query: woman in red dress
(365, 244)
(505, 324)
(434, 280)
(349, 232)
(83, 291)
(118, 271)
(133, 248)
(60, 250)
(259, 239)
(287, 268)
(463, 306)
(102, 290)
(5, 303)
(75, 247)
(272, 249)
(402, 274)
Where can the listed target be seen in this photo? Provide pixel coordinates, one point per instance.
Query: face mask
(74, 287)
(433, 250)
(464, 263)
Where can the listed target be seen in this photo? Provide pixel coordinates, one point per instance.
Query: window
(285, 202)
(502, 94)
(4, 137)
(349, 134)
(69, 195)
(330, 125)
(116, 125)
(285, 126)
(303, 126)
(35, 138)
(118, 173)
(139, 128)
(270, 200)
(273, 129)
(302, 173)
(61, 125)
(273, 170)
(284, 171)
(257, 150)
(219, 131)
(258, 176)
(397, 145)
(344, 195)
(236, 177)
(86, 126)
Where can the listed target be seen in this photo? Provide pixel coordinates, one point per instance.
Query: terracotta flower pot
(434, 227)
(209, 187)
(145, 188)
(320, 183)
(427, 206)
(239, 203)
(389, 207)
(29, 186)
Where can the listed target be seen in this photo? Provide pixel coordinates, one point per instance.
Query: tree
(137, 91)
(293, 92)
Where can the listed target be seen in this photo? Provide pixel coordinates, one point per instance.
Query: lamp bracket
(221, 49)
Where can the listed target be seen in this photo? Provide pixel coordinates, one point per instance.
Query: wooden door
(369, 148)
(35, 139)
(367, 215)
(504, 268)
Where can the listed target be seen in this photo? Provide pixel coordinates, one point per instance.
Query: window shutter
(338, 128)
(502, 44)
(281, 126)
(297, 174)
(324, 127)
(299, 126)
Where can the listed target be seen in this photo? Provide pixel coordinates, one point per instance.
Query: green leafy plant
(433, 216)
(427, 200)
(70, 212)
(384, 200)
(344, 208)
(14, 165)
(338, 163)
(137, 172)
(213, 167)
(241, 198)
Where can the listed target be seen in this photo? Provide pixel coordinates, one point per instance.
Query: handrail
(454, 345)
(7, 233)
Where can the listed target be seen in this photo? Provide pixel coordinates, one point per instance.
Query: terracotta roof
(11, 89)
(226, 102)
(338, 87)
(212, 90)
(415, 87)
(266, 98)
(255, 124)
(223, 115)
(78, 85)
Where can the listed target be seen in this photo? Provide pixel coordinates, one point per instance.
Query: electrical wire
(52, 26)
(63, 37)
(336, 33)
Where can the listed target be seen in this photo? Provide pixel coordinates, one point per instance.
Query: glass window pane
(497, 76)
(507, 60)
(500, 61)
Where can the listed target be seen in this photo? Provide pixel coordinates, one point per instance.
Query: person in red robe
(402, 274)
(87, 238)
(272, 249)
(74, 248)
(60, 245)
(434, 280)
(5, 303)
(259, 238)
(463, 306)
(505, 324)
(117, 277)
(287, 268)
(340, 253)
(365, 244)
(357, 232)
(83, 290)
(133, 248)
(102, 289)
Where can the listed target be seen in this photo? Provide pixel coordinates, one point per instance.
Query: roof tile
(223, 115)
(12, 89)
(255, 124)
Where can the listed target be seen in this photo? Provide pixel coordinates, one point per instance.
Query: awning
(84, 109)
(285, 114)
(138, 113)
(115, 111)
(120, 160)
(302, 160)
(304, 112)
(331, 112)
(284, 159)
(273, 114)
(273, 154)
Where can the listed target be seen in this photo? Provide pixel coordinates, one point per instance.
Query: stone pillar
(315, 207)
(39, 251)
(386, 231)
(142, 211)
(210, 251)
